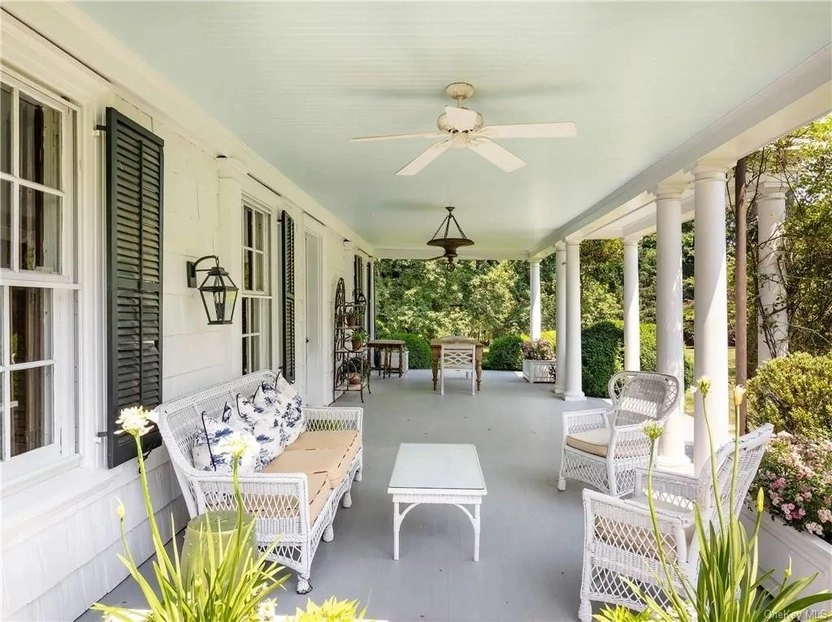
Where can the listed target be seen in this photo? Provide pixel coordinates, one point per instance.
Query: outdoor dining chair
(457, 356)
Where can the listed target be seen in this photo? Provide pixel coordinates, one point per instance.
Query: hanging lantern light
(450, 236)
(218, 291)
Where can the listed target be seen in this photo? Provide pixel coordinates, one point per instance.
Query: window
(257, 289)
(38, 292)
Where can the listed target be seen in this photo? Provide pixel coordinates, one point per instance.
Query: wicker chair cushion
(211, 452)
(271, 506)
(596, 442)
(328, 439)
(639, 540)
(332, 462)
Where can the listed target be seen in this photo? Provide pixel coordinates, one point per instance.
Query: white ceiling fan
(465, 129)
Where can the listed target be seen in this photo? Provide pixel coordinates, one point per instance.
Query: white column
(371, 287)
(632, 337)
(670, 342)
(534, 293)
(574, 381)
(710, 308)
(560, 329)
(773, 332)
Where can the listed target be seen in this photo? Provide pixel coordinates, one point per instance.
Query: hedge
(602, 355)
(418, 347)
(794, 393)
(504, 353)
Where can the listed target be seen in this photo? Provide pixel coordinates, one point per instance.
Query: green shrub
(794, 393)
(505, 353)
(418, 348)
(602, 355)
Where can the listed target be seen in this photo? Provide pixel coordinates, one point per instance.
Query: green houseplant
(729, 586)
(359, 338)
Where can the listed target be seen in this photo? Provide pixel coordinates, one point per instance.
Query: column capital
(534, 262)
(631, 240)
(773, 186)
(560, 246)
(230, 168)
(673, 187)
(711, 169)
(573, 242)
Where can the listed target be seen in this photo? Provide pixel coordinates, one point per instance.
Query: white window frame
(269, 292)
(64, 287)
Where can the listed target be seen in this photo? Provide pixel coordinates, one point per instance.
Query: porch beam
(773, 325)
(632, 338)
(574, 384)
(710, 306)
(560, 329)
(670, 342)
(534, 294)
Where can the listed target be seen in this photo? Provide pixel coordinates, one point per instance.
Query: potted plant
(538, 360)
(351, 317)
(354, 370)
(359, 338)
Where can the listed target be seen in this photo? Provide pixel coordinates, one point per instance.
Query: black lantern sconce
(219, 294)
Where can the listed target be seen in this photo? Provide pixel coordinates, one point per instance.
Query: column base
(558, 390)
(573, 397)
(673, 463)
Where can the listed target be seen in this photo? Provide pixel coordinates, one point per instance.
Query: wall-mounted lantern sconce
(219, 294)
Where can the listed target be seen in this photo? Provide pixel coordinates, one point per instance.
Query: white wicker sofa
(294, 498)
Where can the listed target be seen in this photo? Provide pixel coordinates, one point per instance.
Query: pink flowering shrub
(538, 350)
(796, 475)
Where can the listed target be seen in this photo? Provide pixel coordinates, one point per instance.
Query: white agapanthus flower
(267, 610)
(134, 421)
(238, 445)
(652, 430)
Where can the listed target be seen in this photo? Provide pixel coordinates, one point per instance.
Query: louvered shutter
(357, 278)
(135, 182)
(288, 231)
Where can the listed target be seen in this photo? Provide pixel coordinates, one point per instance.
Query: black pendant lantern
(218, 291)
(450, 236)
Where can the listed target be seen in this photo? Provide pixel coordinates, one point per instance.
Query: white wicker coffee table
(439, 474)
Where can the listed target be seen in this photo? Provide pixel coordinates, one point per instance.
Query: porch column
(710, 307)
(371, 287)
(574, 384)
(773, 325)
(670, 342)
(534, 292)
(560, 329)
(632, 337)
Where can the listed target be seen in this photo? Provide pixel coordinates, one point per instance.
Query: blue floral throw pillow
(211, 450)
(293, 415)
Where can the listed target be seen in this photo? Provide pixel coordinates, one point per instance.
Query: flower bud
(704, 386)
(760, 500)
(739, 395)
(121, 511)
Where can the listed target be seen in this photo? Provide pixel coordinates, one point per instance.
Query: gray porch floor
(530, 560)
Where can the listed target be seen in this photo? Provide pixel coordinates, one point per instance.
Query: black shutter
(135, 182)
(288, 249)
(357, 278)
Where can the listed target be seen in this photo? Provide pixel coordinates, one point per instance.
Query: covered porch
(532, 535)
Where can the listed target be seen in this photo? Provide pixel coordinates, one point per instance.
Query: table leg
(477, 532)
(434, 367)
(401, 360)
(479, 374)
(397, 521)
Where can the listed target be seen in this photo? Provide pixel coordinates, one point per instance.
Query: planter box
(539, 371)
(809, 554)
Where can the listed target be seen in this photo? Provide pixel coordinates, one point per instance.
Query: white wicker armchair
(619, 541)
(280, 502)
(603, 447)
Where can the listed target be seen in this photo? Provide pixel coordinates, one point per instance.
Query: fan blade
(366, 139)
(496, 154)
(461, 118)
(425, 158)
(530, 130)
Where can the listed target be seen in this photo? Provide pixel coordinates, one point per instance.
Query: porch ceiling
(296, 81)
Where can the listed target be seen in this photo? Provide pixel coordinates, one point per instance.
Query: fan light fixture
(449, 240)
(218, 291)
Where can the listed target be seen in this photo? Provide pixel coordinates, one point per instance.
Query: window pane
(265, 334)
(246, 302)
(40, 143)
(248, 268)
(259, 232)
(40, 231)
(248, 228)
(5, 224)
(245, 356)
(259, 272)
(30, 314)
(5, 129)
(31, 409)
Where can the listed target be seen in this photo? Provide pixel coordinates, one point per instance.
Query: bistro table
(386, 346)
(436, 352)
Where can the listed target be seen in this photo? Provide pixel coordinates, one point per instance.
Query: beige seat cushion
(593, 442)
(332, 462)
(326, 439)
(286, 506)
(596, 442)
